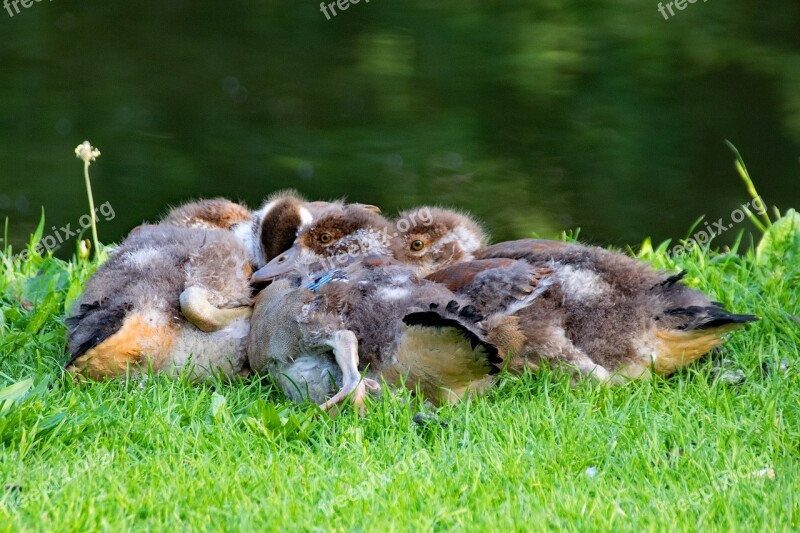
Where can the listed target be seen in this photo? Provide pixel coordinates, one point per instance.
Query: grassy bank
(716, 445)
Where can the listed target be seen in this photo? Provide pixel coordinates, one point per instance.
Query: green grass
(684, 452)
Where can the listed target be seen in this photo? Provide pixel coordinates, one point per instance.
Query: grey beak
(283, 264)
(374, 208)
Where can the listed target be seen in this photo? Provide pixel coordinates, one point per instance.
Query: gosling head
(431, 238)
(272, 229)
(340, 233)
(219, 213)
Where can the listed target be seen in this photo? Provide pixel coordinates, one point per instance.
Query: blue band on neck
(318, 283)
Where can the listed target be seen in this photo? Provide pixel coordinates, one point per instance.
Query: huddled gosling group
(333, 300)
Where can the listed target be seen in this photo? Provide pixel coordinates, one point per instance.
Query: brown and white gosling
(178, 294)
(608, 315)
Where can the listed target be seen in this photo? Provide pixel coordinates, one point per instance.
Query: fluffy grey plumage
(136, 293)
(134, 310)
(293, 334)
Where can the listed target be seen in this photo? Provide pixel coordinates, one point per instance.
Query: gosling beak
(283, 264)
(374, 208)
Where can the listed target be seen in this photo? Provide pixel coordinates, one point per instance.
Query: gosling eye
(417, 245)
(325, 238)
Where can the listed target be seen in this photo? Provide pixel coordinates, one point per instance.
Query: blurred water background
(536, 116)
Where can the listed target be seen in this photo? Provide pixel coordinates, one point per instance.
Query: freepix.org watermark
(58, 236)
(667, 10)
(714, 229)
(13, 6)
(724, 482)
(329, 9)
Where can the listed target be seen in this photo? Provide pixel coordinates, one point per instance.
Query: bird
(130, 314)
(177, 293)
(316, 331)
(604, 313)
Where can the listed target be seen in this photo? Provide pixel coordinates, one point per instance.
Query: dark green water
(599, 115)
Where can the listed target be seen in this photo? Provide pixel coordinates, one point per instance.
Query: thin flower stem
(91, 207)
